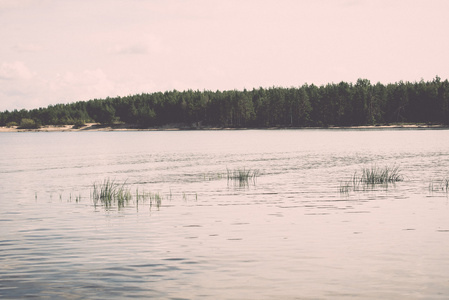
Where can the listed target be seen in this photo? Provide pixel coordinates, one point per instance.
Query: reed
(155, 198)
(110, 192)
(372, 176)
(376, 175)
(242, 176)
(345, 188)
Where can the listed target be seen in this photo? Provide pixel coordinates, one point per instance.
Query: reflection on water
(290, 234)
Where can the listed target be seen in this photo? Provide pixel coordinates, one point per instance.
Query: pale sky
(61, 51)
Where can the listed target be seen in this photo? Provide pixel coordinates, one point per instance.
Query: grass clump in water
(154, 198)
(372, 176)
(376, 175)
(242, 177)
(110, 192)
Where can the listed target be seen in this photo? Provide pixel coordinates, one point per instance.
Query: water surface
(291, 235)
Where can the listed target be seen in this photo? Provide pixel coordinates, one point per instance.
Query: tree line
(333, 104)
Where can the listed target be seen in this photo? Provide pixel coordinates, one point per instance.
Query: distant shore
(130, 127)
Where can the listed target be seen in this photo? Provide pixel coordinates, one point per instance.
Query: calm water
(291, 235)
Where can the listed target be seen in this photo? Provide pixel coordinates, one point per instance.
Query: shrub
(11, 124)
(28, 124)
(79, 124)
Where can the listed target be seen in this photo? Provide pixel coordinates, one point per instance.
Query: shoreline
(129, 127)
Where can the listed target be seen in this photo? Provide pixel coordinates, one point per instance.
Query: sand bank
(128, 127)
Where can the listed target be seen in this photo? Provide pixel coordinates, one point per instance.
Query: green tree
(26, 123)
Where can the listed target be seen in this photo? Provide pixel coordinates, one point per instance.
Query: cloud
(15, 71)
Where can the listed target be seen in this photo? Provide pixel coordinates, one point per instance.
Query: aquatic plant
(152, 197)
(189, 196)
(109, 192)
(352, 184)
(155, 198)
(243, 176)
(372, 176)
(376, 175)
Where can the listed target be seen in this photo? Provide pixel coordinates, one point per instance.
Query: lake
(291, 233)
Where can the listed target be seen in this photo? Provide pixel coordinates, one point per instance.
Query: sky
(63, 51)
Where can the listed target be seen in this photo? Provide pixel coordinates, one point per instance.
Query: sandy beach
(130, 127)
(64, 128)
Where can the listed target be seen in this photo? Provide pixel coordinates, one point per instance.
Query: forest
(333, 104)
